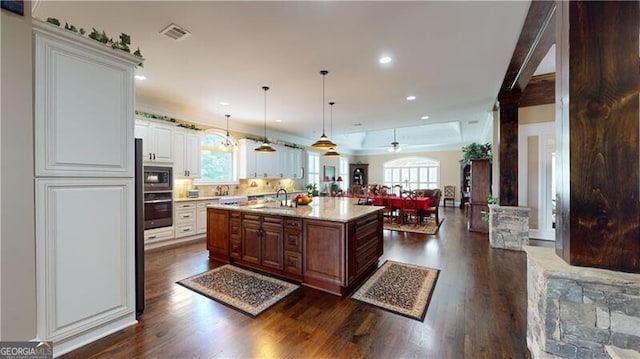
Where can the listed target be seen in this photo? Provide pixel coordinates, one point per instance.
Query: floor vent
(175, 32)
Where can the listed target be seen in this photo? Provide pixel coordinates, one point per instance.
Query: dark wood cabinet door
(323, 252)
(218, 233)
(272, 246)
(251, 239)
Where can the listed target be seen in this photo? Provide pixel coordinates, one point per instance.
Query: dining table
(422, 203)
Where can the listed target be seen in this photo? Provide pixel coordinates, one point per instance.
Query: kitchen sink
(272, 206)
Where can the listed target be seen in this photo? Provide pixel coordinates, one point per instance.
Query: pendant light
(332, 152)
(395, 146)
(265, 147)
(323, 142)
(227, 145)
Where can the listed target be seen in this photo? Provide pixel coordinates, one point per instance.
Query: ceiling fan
(395, 145)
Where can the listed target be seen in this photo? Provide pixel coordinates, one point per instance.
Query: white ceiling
(451, 55)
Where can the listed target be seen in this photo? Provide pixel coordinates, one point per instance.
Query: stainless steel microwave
(157, 178)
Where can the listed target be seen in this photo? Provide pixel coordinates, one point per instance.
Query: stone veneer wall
(578, 312)
(508, 227)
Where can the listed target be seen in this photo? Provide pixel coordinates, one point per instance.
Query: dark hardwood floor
(478, 310)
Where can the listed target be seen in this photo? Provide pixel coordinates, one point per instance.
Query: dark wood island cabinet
(331, 245)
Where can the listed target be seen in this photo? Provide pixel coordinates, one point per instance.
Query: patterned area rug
(400, 288)
(248, 292)
(427, 227)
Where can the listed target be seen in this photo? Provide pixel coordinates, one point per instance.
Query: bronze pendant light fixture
(332, 152)
(323, 142)
(265, 147)
(227, 144)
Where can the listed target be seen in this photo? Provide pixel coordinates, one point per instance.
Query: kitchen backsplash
(244, 186)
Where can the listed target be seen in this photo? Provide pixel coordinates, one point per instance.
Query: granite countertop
(195, 199)
(335, 209)
(186, 199)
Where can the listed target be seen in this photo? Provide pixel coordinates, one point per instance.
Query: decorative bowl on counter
(303, 199)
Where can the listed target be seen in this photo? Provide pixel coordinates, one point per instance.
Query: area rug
(248, 292)
(427, 227)
(400, 288)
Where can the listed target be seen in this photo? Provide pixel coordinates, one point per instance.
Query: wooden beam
(541, 90)
(598, 131)
(536, 38)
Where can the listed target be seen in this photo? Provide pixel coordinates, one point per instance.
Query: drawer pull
(153, 237)
(186, 229)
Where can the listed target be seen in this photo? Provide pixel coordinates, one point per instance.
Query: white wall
(17, 238)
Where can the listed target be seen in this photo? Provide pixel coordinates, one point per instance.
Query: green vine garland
(100, 36)
(178, 123)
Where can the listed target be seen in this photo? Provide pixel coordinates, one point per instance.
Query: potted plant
(312, 189)
(476, 151)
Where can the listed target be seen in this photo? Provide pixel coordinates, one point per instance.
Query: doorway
(536, 177)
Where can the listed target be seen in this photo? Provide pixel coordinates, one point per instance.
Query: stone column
(508, 227)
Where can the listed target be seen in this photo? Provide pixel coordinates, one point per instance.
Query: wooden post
(509, 149)
(597, 116)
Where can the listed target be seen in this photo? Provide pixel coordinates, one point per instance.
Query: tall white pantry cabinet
(84, 183)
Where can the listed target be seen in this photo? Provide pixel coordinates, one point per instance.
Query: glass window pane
(433, 175)
(395, 177)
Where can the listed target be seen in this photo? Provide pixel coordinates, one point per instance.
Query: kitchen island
(332, 244)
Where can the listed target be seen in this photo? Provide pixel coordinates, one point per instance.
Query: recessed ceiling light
(278, 120)
(223, 103)
(411, 98)
(140, 77)
(385, 60)
(424, 117)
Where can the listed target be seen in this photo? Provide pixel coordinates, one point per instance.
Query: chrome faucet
(285, 196)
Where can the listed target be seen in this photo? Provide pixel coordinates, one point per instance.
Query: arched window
(412, 173)
(217, 161)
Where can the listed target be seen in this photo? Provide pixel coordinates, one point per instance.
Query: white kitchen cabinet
(84, 135)
(184, 218)
(201, 219)
(157, 140)
(84, 107)
(158, 234)
(297, 163)
(84, 234)
(293, 162)
(286, 162)
(247, 158)
(186, 150)
(270, 164)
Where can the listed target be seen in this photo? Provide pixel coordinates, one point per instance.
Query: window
(412, 173)
(217, 165)
(343, 171)
(313, 175)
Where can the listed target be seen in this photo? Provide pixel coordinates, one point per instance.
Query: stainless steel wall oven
(158, 197)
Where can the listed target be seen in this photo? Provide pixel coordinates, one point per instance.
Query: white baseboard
(173, 242)
(75, 342)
